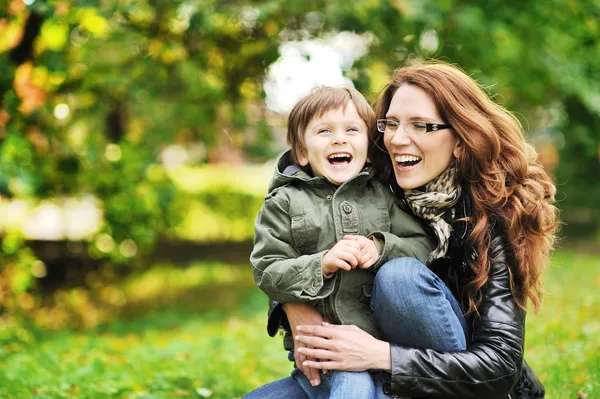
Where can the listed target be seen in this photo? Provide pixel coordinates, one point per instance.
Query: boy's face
(336, 144)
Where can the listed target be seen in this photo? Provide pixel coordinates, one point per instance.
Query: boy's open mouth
(340, 159)
(407, 160)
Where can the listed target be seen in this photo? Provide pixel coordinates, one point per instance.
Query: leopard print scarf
(431, 204)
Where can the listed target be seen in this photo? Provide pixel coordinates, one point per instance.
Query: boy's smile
(336, 144)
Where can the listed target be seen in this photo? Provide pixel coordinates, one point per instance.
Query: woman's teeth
(407, 160)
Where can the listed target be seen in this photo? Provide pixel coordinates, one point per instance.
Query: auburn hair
(497, 168)
(320, 101)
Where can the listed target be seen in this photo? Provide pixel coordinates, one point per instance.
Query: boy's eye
(324, 130)
(353, 129)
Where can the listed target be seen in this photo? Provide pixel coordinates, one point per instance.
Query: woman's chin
(409, 183)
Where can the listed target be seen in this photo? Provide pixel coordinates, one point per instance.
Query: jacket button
(329, 197)
(347, 208)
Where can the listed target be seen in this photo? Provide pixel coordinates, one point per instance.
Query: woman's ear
(458, 149)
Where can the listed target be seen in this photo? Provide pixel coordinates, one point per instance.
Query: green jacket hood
(288, 171)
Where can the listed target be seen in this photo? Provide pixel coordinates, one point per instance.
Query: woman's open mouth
(406, 161)
(340, 160)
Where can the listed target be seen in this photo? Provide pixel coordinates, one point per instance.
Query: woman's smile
(406, 161)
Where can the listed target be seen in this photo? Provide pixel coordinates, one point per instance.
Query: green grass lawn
(203, 335)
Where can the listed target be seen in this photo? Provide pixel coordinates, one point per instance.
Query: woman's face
(418, 159)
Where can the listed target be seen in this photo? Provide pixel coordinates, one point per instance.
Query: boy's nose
(339, 137)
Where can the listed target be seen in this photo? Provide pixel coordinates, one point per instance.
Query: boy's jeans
(412, 307)
(338, 384)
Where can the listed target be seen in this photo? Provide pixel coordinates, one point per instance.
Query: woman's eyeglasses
(411, 127)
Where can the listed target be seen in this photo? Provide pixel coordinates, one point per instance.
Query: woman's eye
(420, 125)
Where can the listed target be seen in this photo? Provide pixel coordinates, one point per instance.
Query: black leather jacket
(492, 366)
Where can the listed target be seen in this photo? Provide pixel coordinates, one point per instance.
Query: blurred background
(137, 139)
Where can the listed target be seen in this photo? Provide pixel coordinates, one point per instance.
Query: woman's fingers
(317, 342)
(321, 354)
(303, 314)
(325, 330)
(339, 327)
(324, 365)
(311, 373)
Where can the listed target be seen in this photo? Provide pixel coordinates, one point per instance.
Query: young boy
(327, 225)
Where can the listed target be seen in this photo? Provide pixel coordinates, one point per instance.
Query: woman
(454, 328)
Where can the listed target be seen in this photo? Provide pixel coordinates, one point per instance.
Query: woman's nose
(401, 137)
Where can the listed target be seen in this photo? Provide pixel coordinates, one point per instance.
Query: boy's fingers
(351, 237)
(349, 258)
(368, 263)
(357, 241)
(352, 243)
(343, 265)
(354, 251)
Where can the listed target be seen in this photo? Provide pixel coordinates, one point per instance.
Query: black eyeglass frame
(429, 127)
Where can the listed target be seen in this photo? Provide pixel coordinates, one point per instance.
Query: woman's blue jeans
(412, 307)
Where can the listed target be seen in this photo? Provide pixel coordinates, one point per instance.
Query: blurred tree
(539, 59)
(91, 92)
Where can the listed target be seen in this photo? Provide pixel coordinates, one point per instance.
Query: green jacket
(303, 217)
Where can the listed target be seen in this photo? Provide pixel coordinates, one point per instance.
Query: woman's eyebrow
(411, 118)
(421, 118)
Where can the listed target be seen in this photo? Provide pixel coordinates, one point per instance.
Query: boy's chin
(338, 180)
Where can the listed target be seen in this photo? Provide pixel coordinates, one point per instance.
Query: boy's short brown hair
(318, 102)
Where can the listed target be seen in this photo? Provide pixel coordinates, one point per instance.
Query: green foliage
(201, 333)
(142, 75)
(220, 201)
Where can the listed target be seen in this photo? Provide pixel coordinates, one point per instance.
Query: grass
(208, 339)
(563, 339)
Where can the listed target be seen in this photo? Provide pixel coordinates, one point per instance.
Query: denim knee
(399, 274)
(412, 306)
(350, 384)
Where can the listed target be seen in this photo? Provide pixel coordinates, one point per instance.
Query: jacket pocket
(382, 220)
(367, 292)
(304, 239)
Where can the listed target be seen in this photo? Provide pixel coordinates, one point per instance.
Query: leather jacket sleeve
(277, 318)
(489, 368)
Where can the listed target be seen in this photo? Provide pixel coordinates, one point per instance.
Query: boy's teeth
(407, 158)
(339, 156)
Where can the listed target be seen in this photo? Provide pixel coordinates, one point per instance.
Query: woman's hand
(340, 347)
(306, 315)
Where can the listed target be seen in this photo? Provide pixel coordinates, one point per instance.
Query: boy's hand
(368, 250)
(344, 255)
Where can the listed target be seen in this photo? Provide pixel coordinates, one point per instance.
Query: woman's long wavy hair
(496, 167)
